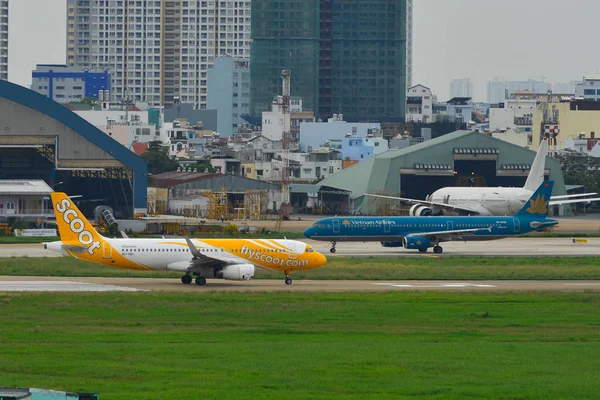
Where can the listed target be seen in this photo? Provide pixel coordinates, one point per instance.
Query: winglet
(538, 204)
(195, 252)
(536, 173)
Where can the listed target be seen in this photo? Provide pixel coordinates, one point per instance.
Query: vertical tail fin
(536, 173)
(73, 227)
(538, 204)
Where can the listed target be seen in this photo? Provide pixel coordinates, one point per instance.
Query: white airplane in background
(232, 259)
(489, 200)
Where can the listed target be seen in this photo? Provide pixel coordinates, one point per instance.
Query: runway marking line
(582, 284)
(437, 285)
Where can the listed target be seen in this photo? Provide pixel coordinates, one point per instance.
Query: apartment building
(157, 51)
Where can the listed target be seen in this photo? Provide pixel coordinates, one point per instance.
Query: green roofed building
(461, 158)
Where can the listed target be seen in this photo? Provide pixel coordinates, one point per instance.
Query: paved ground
(505, 247)
(543, 247)
(19, 283)
(35, 285)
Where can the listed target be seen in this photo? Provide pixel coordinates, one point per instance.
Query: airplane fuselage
(382, 229)
(175, 254)
(488, 201)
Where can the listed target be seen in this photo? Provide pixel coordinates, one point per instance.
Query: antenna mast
(285, 143)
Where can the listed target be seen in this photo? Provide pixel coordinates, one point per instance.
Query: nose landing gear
(332, 250)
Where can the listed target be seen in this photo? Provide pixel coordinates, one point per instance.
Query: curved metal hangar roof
(29, 119)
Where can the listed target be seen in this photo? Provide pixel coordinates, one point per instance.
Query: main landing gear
(437, 249)
(200, 281)
(332, 250)
(187, 279)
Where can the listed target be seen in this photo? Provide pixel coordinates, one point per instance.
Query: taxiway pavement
(40, 284)
(535, 247)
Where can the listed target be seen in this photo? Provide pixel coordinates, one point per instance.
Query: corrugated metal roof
(20, 187)
(304, 188)
(381, 173)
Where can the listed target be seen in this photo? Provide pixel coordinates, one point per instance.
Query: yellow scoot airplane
(232, 259)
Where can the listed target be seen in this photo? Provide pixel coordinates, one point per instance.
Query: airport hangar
(461, 158)
(42, 139)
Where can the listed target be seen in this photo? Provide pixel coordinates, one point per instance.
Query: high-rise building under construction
(345, 56)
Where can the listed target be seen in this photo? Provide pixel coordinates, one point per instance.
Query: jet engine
(236, 272)
(419, 210)
(416, 242)
(392, 244)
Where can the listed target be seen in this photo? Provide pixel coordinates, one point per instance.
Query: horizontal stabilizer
(573, 201)
(571, 196)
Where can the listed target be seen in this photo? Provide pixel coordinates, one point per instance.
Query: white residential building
(157, 51)
(513, 114)
(4, 39)
(589, 88)
(272, 121)
(419, 104)
(177, 137)
(461, 88)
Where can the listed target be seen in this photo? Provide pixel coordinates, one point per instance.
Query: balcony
(523, 121)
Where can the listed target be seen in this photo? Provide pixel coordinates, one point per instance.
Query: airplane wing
(573, 201)
(446, 236)
(454, 208)
(570, 196)
(200, 260)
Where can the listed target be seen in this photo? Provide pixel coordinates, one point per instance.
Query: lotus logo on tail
(538, 206)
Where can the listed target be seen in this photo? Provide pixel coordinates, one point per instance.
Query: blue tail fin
(539, 202)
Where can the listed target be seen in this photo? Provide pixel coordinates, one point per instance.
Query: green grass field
(299, 346)
(353, 268)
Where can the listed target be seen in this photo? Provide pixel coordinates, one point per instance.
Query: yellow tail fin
(73, 227)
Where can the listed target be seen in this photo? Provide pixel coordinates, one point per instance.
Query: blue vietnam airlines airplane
(421, 233)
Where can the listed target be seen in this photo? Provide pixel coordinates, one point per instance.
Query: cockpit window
(308, 250)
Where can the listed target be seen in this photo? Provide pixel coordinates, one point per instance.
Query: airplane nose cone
(309, 232)
(322, 260)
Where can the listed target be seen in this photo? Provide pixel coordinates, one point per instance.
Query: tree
(158, 160)
(581, 169)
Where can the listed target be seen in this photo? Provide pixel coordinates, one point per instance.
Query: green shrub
(231, 229)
